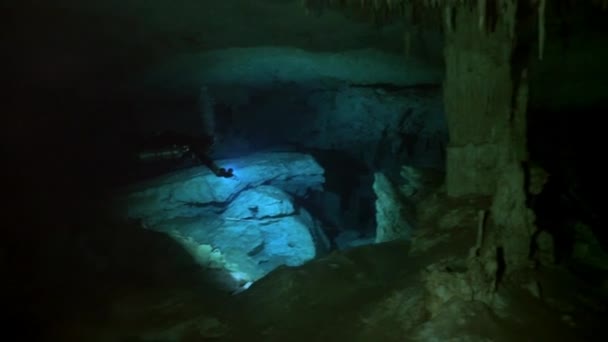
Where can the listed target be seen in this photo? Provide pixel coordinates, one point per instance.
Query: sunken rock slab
(248, 225)
(184, 193)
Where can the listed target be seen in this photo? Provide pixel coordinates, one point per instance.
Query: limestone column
(485, 96)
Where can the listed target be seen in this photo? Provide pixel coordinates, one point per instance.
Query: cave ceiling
(113, 40)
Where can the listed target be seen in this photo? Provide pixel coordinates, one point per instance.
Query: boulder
(587, 249)
(190, 192)
(244, 226)
(250, 246)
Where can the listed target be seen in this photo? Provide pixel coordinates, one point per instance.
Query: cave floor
(368, 293)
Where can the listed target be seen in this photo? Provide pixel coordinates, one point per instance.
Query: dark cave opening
(345, 177)
(563, 143)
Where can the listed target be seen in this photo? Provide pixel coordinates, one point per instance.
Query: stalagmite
(541, 28)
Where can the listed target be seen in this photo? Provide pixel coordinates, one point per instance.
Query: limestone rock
(471, 169)
(322, 242)
(412, 181)
(538, 179)
(241, 228)
(513, 220)
(187, 193)
(587, 249)
(261, 202)
(352, 238)
(444, 281)
(462, 321)
(249, 245)
(391, 219)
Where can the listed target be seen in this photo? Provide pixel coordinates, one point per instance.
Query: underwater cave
(286, 170)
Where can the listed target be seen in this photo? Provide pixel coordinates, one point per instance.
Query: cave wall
(371, 105)
(357, 112)
(379, 128)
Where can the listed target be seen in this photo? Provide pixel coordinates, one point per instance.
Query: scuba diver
(172, 146)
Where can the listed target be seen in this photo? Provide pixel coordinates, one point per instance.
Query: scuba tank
(173, 152)
(197, 149)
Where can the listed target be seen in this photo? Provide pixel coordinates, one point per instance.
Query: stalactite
(507, 10)
(481, 7)
(377, 4)
(408, 13)
(541, 28)
(448, 18)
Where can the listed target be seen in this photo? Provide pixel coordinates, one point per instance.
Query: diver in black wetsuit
(172, 146)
